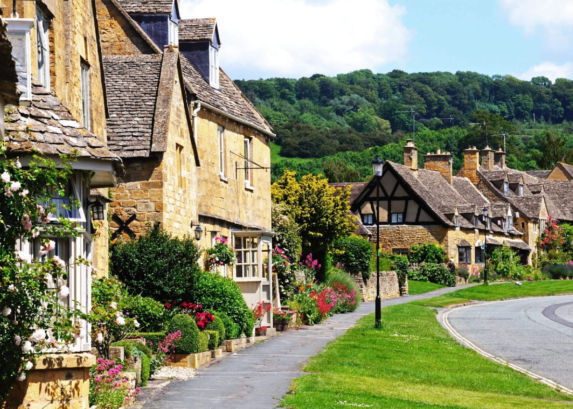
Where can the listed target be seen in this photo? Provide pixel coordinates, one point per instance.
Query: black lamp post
(377, 171)
(485, 246)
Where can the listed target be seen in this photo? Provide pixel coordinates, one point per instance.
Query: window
(541, 226)
(222, 161)
(479, 254)
(397, 218)
(173, 35)
(505, 188)
(247, 249)
(213, 67)
(368, 219)
(18, 31)
(248, 152)
(457, 221)
(69, 205)
(43, 55)
(179, 159)
(520, 190)
(509, 222)
(476, 219)
(464, 255)
(85, 84)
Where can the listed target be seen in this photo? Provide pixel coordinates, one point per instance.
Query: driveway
(257, 377)
(535, 334)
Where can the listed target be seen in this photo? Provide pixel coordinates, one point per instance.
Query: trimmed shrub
(427, 253)
(213, 339)
(190, 341)
(219, 293)
(203, 341)
(152, 338)
(130, 344)
(157, 266)
(353, 253)
(435, 273)
(145, 369)
(217, 325)
(232, 330)
(558, 271)
(150, 314)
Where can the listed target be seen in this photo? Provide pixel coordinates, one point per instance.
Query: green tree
(321, 211)
(552, 150)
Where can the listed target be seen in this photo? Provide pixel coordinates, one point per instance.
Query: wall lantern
(198, 231)
(97, 209)
(377, 166)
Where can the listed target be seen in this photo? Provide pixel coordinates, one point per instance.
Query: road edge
(442, 318)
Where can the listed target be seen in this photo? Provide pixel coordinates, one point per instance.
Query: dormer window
(505, 188)
(457, 221)
(476, 221)
(43, 51)
(520, 190)
(213, 67)
(173, 33)
(18, 30)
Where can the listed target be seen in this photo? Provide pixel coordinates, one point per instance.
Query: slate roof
(529, 206)
(559, 199)
(228, 98)
(147, 6)
(197, 29)
(131, 86)
(566, 168)
(47, 127)
(355, 188)
(542, 174)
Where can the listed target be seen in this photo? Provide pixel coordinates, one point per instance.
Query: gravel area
(169, 372)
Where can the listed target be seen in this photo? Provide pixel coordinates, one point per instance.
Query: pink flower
(5, 177)
(47, 247)
(26, 223)
(15, 186)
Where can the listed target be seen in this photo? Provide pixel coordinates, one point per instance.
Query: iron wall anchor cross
(123, 226)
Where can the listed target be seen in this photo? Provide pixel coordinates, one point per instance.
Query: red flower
(167, 305)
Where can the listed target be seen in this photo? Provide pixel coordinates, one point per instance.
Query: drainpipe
(194, 115)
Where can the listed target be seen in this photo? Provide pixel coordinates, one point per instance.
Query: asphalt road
(535, 334)
(257, 377)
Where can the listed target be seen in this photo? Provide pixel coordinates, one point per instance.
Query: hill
(322, 117)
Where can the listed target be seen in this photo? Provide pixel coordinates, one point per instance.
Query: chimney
(471, 164)
(487, 161)
(411, 155)
(499, 158)
(439, 162)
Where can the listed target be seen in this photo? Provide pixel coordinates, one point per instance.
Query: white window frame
(222, 153)
(248, 258)
(505, 188)
(76, 194)
(248, 154)
(397, 218)
(18, 31)
(173, 32)
(520, 190)
(213, 67)
(85, 88)
(43, 48)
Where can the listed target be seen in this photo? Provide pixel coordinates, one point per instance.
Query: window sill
(249, 188)
(248, 279)
(223, 178)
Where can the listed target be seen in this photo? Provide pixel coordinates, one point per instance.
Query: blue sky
(294, 38)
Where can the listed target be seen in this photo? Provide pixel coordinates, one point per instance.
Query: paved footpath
(257, 377)
(536, 334)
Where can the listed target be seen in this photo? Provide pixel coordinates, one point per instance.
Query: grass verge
(413, 363)
(420, 287)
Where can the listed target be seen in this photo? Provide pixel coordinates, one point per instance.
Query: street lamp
(377, 171)
(485, 246)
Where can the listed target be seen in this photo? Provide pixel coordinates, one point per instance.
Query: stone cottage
(430, 205)
(61, 110)
(202, 166)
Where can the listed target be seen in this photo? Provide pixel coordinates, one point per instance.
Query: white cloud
(553, 18)
(549, 70)
(303, 37)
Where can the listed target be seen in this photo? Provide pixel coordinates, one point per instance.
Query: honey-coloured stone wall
(393, 237)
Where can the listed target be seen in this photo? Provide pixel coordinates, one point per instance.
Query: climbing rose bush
(33, 296)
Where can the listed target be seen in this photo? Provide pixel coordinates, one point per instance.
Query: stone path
(257, 377)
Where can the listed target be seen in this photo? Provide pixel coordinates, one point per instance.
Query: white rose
(6, 311)
(24, 256)
(15, 186)
(59, 262)
(17, 340)
(18, 164)
(11, 288)
(64, 291)
(5, 177)
(99, 338)
(21, 377)
(27, 347)
(113, 305)
(24, 192)
(38, 335)
(119, 320)
(136, 323)
(28, 365)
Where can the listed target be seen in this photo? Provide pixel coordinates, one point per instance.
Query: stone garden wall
(389, 287)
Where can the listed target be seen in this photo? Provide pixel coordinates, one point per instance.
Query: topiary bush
(213, 339)
(353, 254)
(217, 325)
(157, 265)
(435, 273)
(203, 341)
(222, 294)
(190, 340)
(427, 253)
(150, 314)
(232, 330)
(145, 369)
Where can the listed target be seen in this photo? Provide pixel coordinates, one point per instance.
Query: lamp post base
(378, 312)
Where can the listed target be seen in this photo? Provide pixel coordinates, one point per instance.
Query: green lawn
(414, 363)
(420, 287)
(500, 292)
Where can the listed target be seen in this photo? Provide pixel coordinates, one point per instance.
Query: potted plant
(219, 255)
(259, 311)
(281, 319)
